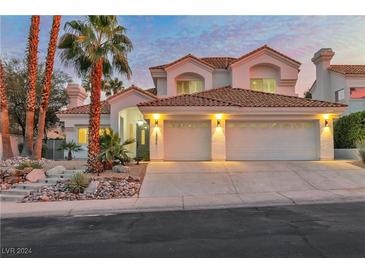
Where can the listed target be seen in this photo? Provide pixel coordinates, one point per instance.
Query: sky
(162, 39)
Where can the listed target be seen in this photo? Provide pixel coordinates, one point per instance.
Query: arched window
(188, 83)
(264, 77)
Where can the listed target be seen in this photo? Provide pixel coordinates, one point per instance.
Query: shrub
(350, 129)
(70, 147)
(32, 164)
(78, 183)
(112, 150)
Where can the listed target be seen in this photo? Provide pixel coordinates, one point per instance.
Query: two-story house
(338, 83)
(215, 108)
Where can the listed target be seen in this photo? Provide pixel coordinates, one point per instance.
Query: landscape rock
(55, 171)
(35, 175)
(27, 170)
(99, 189)
(92, 187)
(12, 180)
(120, 169)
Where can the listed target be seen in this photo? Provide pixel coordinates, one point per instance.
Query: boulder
(35, 175)
(92, 187)
(120, 169)
(16, 172)
(55, 171)
(12, 180)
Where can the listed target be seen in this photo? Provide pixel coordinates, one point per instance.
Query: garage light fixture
(156, 116)
(218, 116)
(326, 117)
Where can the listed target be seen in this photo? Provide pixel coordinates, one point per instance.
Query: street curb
(96, 212)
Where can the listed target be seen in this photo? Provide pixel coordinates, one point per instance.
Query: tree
(70, 147)
(115, 85)
(5, 134)
(108, 85)
(308, 94)
(33, 41)
(96, 46)
(16, 75)
(37, 154)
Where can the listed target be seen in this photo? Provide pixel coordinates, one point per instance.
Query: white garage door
(187, 140)
(278, 140)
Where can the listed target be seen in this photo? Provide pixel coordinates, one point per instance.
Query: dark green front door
(143, 140)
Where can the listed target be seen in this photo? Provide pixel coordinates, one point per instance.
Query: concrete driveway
(270, 182)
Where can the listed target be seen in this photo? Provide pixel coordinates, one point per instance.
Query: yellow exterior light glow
(219, 116)
(326, 117)
(156, 116)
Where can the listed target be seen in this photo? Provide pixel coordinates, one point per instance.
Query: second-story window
(188, 86)
(265, 85)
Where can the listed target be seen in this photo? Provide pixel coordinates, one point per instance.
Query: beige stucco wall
(189, 66)
(262, 66)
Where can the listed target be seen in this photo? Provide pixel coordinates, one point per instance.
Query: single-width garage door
(187, 140)
(272, 140)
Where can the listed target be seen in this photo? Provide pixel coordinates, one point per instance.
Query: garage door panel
(187, 140)
(272, 140)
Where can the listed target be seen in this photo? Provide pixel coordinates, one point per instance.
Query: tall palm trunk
(33, 42)
(7, 151)
(93, 162)
(37, 154)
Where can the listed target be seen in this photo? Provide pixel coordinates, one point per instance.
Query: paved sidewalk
(208, 185)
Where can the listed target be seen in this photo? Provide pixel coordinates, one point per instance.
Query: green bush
(112, 150)
(349, 130)
(32, 164)
(78, 183)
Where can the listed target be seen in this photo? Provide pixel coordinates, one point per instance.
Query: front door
(143, 140)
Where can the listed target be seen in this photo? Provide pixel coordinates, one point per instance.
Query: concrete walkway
(200, 185)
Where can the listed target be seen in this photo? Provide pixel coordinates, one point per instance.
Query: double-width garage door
(272, 140)
(187, 140)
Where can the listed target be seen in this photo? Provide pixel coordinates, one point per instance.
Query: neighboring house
(215, 108)
(338, 83)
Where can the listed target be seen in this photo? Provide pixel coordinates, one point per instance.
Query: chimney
(76, 95)
(322, 61)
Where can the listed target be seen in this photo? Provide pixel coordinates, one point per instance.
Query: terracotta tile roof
(105, 109)
(146, 92)
(228, 96)
(219, 62)
(105, 106)
(348, 69)
(266, 47)
(152, 90)
(222, 62)
(180, 59)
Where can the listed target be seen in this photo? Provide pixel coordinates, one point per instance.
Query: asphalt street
(327, 230)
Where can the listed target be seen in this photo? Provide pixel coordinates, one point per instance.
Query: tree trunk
(69, 155)
(5, 133)
(33, 42)
(47, 86)
(93, 162)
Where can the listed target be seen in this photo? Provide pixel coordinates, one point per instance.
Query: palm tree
(96, 46)
(7, 151)
(70, 147)
(33, 41)
(47, 85)
(115, 85)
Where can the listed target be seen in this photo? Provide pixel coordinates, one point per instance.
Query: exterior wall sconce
(219, 119)
(140, 123)
(156, 116)
(326, 122)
